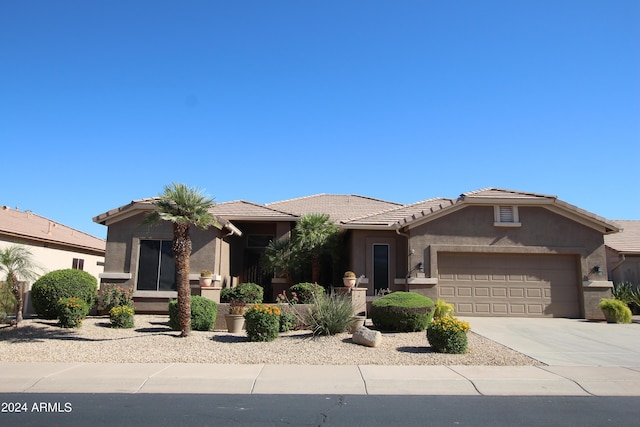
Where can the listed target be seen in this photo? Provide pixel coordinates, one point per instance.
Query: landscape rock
(365, 336)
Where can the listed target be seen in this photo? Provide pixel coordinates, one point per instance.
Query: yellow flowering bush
(448, 335)
(262, 322)
(122, 316)
(72, 311)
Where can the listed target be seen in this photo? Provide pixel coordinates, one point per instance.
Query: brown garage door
(509, 285)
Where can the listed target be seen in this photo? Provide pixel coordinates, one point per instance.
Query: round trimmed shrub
(288, 319)
(402, 312)
(262, 322)
(72, 311)
(307, 293)
(448, 335)
(122, 316)
(249, 293)
(203, 314)
(48, 289)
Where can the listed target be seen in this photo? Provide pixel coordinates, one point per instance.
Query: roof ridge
(507, 190)
(296, 198)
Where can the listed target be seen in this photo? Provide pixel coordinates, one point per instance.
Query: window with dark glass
(156, 266)
(77, 264)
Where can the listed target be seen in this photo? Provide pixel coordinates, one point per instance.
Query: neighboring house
(490, 252)
(623, 253)
(54, 246)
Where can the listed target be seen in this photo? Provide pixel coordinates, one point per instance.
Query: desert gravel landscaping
(152, 341)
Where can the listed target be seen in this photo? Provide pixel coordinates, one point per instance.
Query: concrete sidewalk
(314, 379)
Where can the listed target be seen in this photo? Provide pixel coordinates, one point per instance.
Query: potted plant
(615, 311)
(349, 279)
(206, 277)
(235, 317)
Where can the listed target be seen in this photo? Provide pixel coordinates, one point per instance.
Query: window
(156, 266)
(506, 216)
(77, 264)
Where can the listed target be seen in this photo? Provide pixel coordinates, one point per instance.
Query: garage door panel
(510, 285)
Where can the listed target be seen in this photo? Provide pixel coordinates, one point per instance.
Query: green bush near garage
(402, 312)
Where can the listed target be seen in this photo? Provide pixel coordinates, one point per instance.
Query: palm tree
(18, 265)
(314, 234)
(183, 206)
(280, 257)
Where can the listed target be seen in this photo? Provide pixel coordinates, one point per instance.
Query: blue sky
(103, 102)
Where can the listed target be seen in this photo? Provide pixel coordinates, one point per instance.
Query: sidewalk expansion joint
(52, 374)
(466, 378)
(366, 390)
(151, 376)
(253, 383)
(570, 379)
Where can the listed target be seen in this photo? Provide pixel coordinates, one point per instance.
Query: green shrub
(448, 335)
(305, 292)
(249, 293)
(443, 309)
(48, 289)
(111, 295)
(122, 316)
(615, 309)
(288, 319)
(72, 311)
(402, 312)
(330, 314)
(203, 314)
(262, 322)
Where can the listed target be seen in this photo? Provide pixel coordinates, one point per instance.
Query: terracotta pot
(206, 281)
(356, 323)
(235, 322)
(349, 282)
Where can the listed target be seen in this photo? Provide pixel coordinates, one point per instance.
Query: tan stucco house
(54, 246)
(491, 252)
(623, 253)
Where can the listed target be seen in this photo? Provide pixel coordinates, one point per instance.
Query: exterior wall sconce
(597, 270)
(420, 267)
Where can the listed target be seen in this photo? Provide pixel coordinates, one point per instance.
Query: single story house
(491, 252)
(623, 253)
(54, 246)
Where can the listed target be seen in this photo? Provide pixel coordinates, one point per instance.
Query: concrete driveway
(565, 342)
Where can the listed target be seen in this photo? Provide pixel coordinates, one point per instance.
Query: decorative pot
(206, 281)
(356, 323)
(349, 282)
(609, 316)
(235, 322)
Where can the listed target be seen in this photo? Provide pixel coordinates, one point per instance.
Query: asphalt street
(96, 410)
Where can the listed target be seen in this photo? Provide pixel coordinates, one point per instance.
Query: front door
(380, 267)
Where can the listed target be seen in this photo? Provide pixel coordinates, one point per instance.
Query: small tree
(280, 256)
(183, 206)
(17, 264)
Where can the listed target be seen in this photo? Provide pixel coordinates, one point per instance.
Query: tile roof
(628, 240)
(29, 226)
(403, 214)
(341, 208)
(241, 209)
